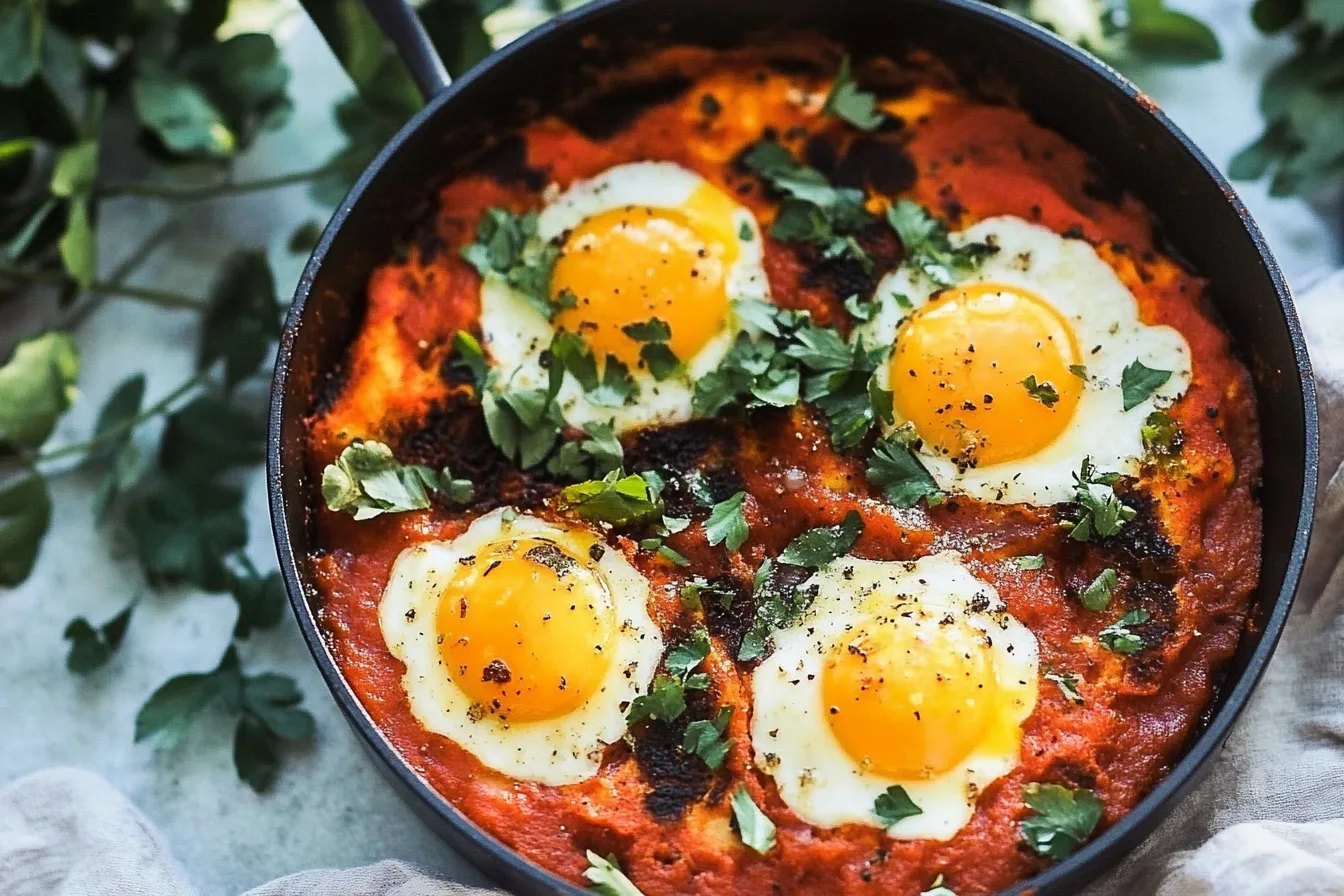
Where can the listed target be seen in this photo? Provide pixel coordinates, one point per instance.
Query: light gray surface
(330, 807)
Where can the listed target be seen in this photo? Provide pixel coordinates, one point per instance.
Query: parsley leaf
(1119, 638)
(606, 877)
(704, 738)
(596, 455)
(25, 514)
(894, 804)
(1162, 437)
(367, 480)
(524, 424)
(261, 599)
(242, 317)
(1063, 819)
(616, 498)
(841, 382)
(655, 354)
(937, 888)
(1138, 383)
(695, 593)
(651, 330)
(847, 101)
(818, 547)
(756, 830)
(91, 647)
(507, 247)
(1097, 595)
(1045, 393)
(665, 701)
(861, 310)
(778, 605)
(1067, 683)
(468, 355)
(1101, 513)
(683, 658)
(895, 469)
(727, 524)
(1030, 561)
(36, 387)
(927, 246)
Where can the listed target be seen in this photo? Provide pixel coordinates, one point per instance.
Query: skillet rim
(1083, 866)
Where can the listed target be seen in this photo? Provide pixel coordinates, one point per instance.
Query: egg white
(515, 334)
(792, 739)
(1104, 317)
(562, 750)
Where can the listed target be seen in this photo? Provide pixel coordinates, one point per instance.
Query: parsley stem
(160, 297)
(89, 302)
(112, 434)
(172, 193)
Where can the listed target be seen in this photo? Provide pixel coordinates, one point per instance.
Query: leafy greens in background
(197, 91)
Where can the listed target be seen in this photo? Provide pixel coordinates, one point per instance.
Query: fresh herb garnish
(684, 657)
(367, 480)
(894, 804)
(894, 468)
(90, 646)
(1030, 561)
(1162, 437)
(696, 592)
(654, 334)
(847, 101)
(1138, 382)
(1101, 513)
(507, 247)
(594, 456)
(818, 547)
(666, 699)
(1045, 393)
(756, 830)
(1067, 683)
(1119, 636)
(606, 877)
(937, 888)
(778, 605)
(469, 356)
(928, 247)
(616, 498)
(1097, 595)
(1063, 819)
(524, 424)
(840, 381)
(727, 523)
(861, 310)
(704, 738)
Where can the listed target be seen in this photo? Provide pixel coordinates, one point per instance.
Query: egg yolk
(627, 265)
(910, 696)
(526, 629)
(960, 372)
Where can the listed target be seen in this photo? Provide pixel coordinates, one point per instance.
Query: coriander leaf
(760, 314)
(1159, 32)
(208, 436)
(777, 387)
(180, 114)
(1162, 436)
(928, 247)
(469, 356)
(1097, 595)
(1063, 819)
(861, 310)
(36, 387)
(367, 480)
(507, 247)
(847, 101)
(894, 804)
(660, 361)
(127, 464)
(606, 877)
(75, 170)
(90, 646)
(25, 514)
(818, 547)
(683, 658)
(1138, 383)
(169, 711)
(617, 386)
(668, 554)
(1119, 638)
(665, 701)
(524, 424)
(895, 469)
(651, 330)
(1030, 561)
(261, 600)
(268, 715)
(727, 523)
(615, 498)
(183, 531)
(695, 593)
(1101, 513)
(779, 604)
(596, 455)
(1067, 683)
(1045, 393)
(242, 317)
(938, 889)
(841, 383)
(756, 830)
(704, 738)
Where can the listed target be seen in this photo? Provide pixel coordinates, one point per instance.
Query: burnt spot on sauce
(1141, 541)
(427, 238)
(730, 623)
(506, 162)
(1101, 186)
(606, 115)
(845, 275)
(696, 459)
(330, 388)
(881, 165)
(820, 153)
(675, 779)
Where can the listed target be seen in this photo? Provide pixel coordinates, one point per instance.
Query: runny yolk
(909, 696)
(627, 265)
(959, 367)
(526, 629)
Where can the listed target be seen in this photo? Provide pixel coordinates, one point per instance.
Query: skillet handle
(403, 27)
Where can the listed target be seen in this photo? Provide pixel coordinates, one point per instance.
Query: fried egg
(640, 241)
(910, 674)
(1042, 307)
(524, 641)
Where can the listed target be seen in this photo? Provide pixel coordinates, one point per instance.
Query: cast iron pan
(1063, 88)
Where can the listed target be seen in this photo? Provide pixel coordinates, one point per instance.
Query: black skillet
(1064, 89)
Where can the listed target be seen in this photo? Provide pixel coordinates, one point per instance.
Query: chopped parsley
(1079, 371)
(1030, 561)
(367, 480)
(937, 888)
(841, 382)
(596, 455)
(1162, 437)
(1138, 382)
(616, 498)
(894, 804)
(756, 830)
(468, 355)
(1062, 819)
(704, 738)
(665, 701)
(606, 877)
(928, 247)
(778, 605)
(818, 547)
(847, 101)
(1067, 683)
(683, 658)
(744, 232)
(895, 469)
(861, 310)
(1097, 595)
(654, 352)
(1045, 393)
(1101, 513)
(695, 593)
(524, 424)
(507, 247)
(727, 524)
(1119, 636)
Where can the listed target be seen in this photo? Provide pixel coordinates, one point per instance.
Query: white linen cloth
(1269, 816)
